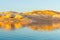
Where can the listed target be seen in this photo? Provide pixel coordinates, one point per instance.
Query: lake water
(29, 34)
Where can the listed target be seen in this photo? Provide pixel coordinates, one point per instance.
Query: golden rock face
(39, 12)
(12, 20)
(36, 20)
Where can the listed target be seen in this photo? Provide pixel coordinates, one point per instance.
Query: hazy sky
(29, 5)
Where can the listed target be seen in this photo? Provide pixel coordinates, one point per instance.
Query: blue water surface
(28, 34)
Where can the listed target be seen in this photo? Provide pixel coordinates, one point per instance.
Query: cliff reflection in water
(11, 24)
(34, 26)
(45, 27)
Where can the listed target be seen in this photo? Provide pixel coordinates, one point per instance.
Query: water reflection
(11, 23)
(46, 26)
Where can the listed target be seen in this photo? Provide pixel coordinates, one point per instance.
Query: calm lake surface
(29, 34)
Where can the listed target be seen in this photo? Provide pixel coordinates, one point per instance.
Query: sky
(29, 5)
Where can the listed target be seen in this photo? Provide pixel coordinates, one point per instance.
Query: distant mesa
(38, 19)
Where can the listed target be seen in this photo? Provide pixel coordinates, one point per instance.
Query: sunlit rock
(36, 20)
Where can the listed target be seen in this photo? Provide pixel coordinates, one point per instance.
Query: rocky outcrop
(35, 19)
